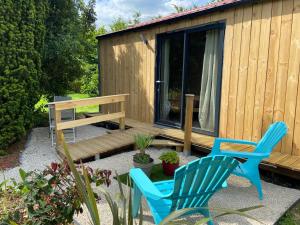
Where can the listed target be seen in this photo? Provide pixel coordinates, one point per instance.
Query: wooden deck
(109, 142)
(278, 161)
(119, 139)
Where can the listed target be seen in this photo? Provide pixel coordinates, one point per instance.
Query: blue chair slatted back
(196, 182)
(271, 138)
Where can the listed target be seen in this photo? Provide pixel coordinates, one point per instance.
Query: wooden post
(57, 118)
(188, 124)
(122, 120)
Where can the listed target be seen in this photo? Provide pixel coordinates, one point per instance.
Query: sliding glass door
(190, 61)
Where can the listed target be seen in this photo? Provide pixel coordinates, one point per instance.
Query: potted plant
(170, 162)
(141, 159)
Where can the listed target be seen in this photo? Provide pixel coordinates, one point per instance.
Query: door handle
(159, 81)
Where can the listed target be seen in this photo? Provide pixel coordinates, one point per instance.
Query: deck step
(167, 143)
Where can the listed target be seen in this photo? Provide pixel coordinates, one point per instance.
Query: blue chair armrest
(234, 141)
(245, 154)
(217, 144)
(145, 185)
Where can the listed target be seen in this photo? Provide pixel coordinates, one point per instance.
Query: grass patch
(292, 217)
(156, 175)
(84, 109)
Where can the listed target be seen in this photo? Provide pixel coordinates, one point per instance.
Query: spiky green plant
(142, 142)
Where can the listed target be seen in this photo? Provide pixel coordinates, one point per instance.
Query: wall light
(143, 38)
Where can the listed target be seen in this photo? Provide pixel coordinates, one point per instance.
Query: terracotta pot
(145, 167)
(169, 168)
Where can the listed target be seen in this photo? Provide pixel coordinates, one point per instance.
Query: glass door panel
(169, 83)
(202, 77)
(190, 62)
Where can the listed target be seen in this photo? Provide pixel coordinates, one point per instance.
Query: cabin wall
(260, 77)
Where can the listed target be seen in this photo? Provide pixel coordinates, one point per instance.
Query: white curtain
(166, 106)
(207, 102)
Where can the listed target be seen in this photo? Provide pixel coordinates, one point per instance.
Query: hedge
(22, 32)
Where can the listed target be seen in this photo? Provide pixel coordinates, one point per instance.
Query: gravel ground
(38, 151)
(239, 194)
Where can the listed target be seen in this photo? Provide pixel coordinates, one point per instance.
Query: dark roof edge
(185, 16)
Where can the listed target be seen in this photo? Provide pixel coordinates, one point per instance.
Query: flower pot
(145, 167)
(169, 168)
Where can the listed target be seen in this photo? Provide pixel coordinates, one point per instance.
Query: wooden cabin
(240, 58)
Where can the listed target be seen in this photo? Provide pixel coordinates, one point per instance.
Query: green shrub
(47, 197)
(3, 153)
(170, 157)
(22, 33)
(89, 81)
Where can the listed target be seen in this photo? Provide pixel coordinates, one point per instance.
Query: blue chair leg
(257, 183)
(255, 180)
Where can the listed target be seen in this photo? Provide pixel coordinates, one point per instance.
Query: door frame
(221, 25)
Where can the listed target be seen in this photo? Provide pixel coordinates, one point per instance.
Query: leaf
(83, 188)
(130, 219)
(238, 212)
(202, 221)
(23, 174)
(174, 215)
(112, 205)
(91, 197)
(141, 217)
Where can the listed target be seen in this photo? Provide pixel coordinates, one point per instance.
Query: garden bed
(9, 158)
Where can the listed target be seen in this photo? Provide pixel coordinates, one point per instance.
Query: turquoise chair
(192, 187)
(249, 169)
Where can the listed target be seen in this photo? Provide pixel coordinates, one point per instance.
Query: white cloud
(108, 10)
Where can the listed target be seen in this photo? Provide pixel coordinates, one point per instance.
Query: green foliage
(136, 18)
(143, 141)
(141, 158)
(22, 32)
(49, 196)
(170, 157)
(89, 81)
(63, 47)
(3, 153)
(118, 24)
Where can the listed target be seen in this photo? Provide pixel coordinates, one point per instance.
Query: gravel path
(239, 194)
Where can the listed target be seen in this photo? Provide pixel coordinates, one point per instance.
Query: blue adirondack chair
(192, 187)
(263, 149)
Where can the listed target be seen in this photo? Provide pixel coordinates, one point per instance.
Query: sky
(108, 10)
